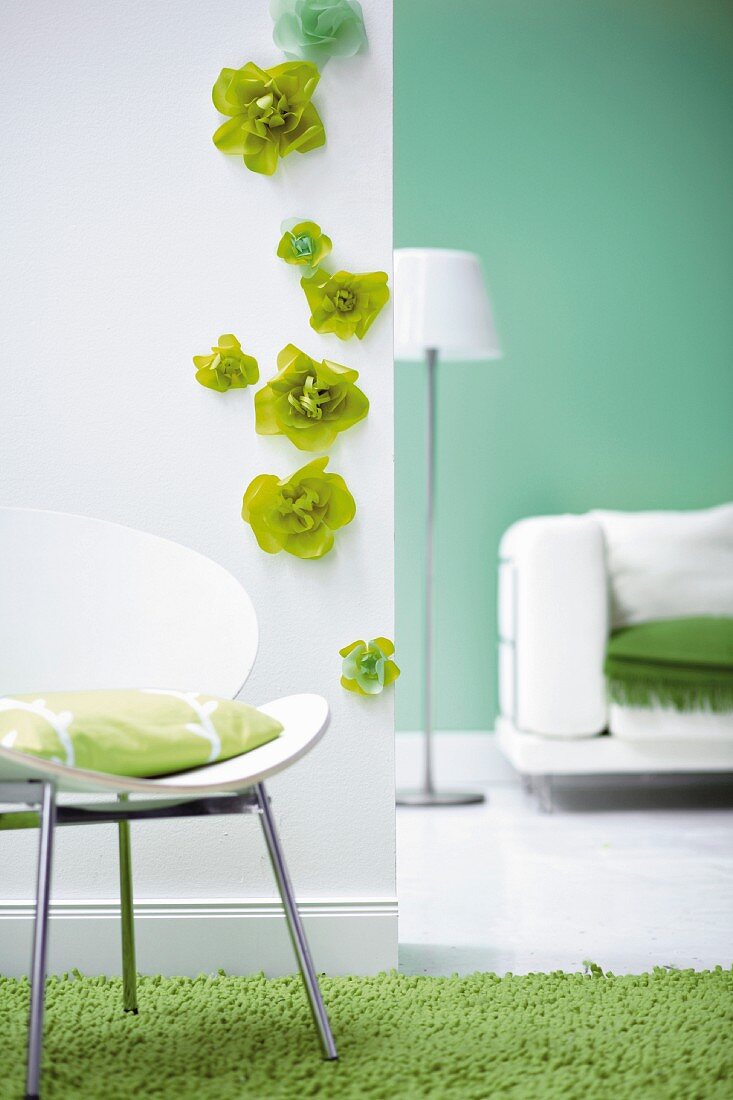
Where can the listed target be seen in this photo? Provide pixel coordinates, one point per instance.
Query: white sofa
(564, 583)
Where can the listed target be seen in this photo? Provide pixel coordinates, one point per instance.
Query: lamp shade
(441, 302)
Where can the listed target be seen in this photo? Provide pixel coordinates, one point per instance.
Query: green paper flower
(299, 514)
(343, 303)
(303, 244)
(228, 368)
(309, 402)
(367, 668)
(318, 29)
(270, 113)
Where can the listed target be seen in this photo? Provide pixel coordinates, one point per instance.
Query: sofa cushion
(686, 664)
(665, 724)
(664, 565)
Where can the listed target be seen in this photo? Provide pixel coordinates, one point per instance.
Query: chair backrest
(88, 604)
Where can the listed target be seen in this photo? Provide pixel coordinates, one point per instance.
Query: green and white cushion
(136, 733)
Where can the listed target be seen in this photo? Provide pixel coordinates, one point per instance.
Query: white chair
(86, 604)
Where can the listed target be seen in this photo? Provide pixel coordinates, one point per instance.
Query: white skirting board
(467, 759)
(190, 937)
(460, 758)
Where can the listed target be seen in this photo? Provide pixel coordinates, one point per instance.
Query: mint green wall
(584, 148)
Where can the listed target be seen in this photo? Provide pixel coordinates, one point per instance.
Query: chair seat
(304, 719)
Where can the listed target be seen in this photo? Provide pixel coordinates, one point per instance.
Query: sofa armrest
(553, 626)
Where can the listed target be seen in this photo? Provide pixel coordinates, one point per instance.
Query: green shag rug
(665, 1034)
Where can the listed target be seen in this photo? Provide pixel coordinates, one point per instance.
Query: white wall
(129, 243)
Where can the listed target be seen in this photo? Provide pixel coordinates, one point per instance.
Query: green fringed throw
(682, 663)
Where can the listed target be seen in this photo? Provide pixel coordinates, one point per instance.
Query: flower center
(345, 300)
(228, 364)
(302, 246)
(270, 111)
(369, 664)
(308, 400)
(300, 502)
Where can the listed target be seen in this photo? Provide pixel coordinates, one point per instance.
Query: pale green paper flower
(318, 29)
(300, 513)
(309, 402)
(343, 303)
(303, 244)
(270, 113)
(367, 668)
(227, 368)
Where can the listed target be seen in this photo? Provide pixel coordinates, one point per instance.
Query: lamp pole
(427, 794)
(431, 360)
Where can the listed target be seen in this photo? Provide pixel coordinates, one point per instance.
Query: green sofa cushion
(134, 733)
(683, 663)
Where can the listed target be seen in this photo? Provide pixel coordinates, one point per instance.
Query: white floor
(628, 877)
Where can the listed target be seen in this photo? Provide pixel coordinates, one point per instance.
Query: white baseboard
(190, 937)
(461, 757)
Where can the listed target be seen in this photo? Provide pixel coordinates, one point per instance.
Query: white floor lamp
(441, 309)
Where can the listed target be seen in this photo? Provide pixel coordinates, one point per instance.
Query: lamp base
(439, 798)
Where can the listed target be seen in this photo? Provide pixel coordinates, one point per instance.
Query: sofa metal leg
(544, 793)
(295, 925)
(40, 942)
(127, 914)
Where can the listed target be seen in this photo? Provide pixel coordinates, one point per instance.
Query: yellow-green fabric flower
(227, 368)
(270, 113)
(345, 304)
(309, 402)
(300, 513)
(367, 668)
(303, 244)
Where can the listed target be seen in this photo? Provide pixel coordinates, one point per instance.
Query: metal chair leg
(40, 942)
(129, 969)
(295, 925)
